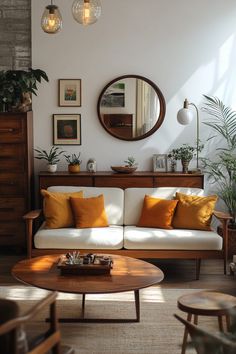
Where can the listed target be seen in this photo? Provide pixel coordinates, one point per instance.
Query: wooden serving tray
(95, 268)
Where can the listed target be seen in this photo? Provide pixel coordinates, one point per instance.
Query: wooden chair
(12, 337)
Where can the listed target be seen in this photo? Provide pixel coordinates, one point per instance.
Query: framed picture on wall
(160, 163)
(66, 129)
(69, 92)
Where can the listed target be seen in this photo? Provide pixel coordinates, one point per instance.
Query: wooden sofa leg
(198, 268)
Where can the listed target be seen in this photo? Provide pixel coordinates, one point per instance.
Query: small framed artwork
(66, 129)
(69, 92)
(160, 163)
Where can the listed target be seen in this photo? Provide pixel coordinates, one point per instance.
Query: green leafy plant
(130, 162)
(73, 159)
(222, 171)
(15, 84)
(52, 157)
(184, 153)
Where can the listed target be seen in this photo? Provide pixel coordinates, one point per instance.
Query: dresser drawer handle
(6, 130)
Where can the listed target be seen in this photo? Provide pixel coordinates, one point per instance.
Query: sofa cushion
(113, 200)
(71, 238)
(175, 239)
(57, 210)
(157, 212)
(134, 199)
(194, 212)
(89, 212)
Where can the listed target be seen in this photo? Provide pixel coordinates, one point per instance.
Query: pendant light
(51, 21)
(86, 12)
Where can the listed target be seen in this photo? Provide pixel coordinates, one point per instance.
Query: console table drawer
(179, 181)
(70, 180)
(122, 181)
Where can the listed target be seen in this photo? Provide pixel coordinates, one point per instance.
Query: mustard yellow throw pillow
(89, 212)
(57, 210)
(157, 212)
(194, 212)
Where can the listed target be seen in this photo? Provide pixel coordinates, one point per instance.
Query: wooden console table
(111, 179)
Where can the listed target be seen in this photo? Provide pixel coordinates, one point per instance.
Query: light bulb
(86, 12)
(51, 21)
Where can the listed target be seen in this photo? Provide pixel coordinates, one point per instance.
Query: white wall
(187, 47)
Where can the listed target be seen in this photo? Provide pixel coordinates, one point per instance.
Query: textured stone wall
(15, 34)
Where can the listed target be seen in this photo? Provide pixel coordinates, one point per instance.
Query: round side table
(206, 303)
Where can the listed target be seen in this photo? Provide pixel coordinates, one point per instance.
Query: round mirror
(131, 107)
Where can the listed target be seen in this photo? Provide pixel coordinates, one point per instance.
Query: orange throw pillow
(157, 212)
(89, 212)
(57, 210)
(194, 212)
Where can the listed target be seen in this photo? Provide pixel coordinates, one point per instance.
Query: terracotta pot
(185, 164)
(74, 168)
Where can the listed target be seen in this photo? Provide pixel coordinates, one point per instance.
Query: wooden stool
(206, 303)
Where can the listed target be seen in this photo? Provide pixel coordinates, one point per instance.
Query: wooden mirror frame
(159, 119)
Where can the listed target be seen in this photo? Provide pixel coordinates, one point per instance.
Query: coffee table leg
(189, 318)
(83, 305)
(137, 305)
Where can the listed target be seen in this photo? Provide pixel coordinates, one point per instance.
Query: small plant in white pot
(52, 157)
(74, 162)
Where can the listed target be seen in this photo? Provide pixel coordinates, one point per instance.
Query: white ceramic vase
(52, 168)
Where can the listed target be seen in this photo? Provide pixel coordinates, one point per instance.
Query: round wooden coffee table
(128, 274)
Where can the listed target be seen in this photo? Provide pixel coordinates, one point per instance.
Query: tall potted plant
(222, 171)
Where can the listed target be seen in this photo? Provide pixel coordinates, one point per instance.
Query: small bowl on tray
(124, 169)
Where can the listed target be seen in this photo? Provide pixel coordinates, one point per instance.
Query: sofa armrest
(224, 218)
(33, 214)
(29, 218)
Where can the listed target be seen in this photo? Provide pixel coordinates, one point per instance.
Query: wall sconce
(185, 116)
(86, 12)
(51, 21)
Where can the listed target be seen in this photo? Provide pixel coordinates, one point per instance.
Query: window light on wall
(85, 12)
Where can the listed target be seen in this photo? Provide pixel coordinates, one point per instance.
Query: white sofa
(123, 209)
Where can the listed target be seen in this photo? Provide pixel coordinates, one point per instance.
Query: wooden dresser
(16, 173)
(111, 179)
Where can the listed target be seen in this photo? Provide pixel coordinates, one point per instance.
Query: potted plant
(52, 157)
(222, 170)
(74, 162)
(184, 153)
(131, 162)
(16, 87)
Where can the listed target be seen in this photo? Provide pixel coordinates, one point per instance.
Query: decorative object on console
(74, 162)
(69, 92)
(86, 12)
(91, 165)
(139, 111)
(129, 167)
(16, 87)
(173, 162)
(185, 154)
(51, 21)
(184, 117)
(159, 163)
(67, 129)
(52, 157)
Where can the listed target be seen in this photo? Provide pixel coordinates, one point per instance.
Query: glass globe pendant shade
(86, 12)
(51, 21)
(184, 116)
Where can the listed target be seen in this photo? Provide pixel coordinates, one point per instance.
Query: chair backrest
(10, 328)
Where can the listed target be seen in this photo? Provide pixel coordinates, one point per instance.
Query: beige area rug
(157, 333)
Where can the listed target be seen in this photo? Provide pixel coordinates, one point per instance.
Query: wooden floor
(179, 274)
